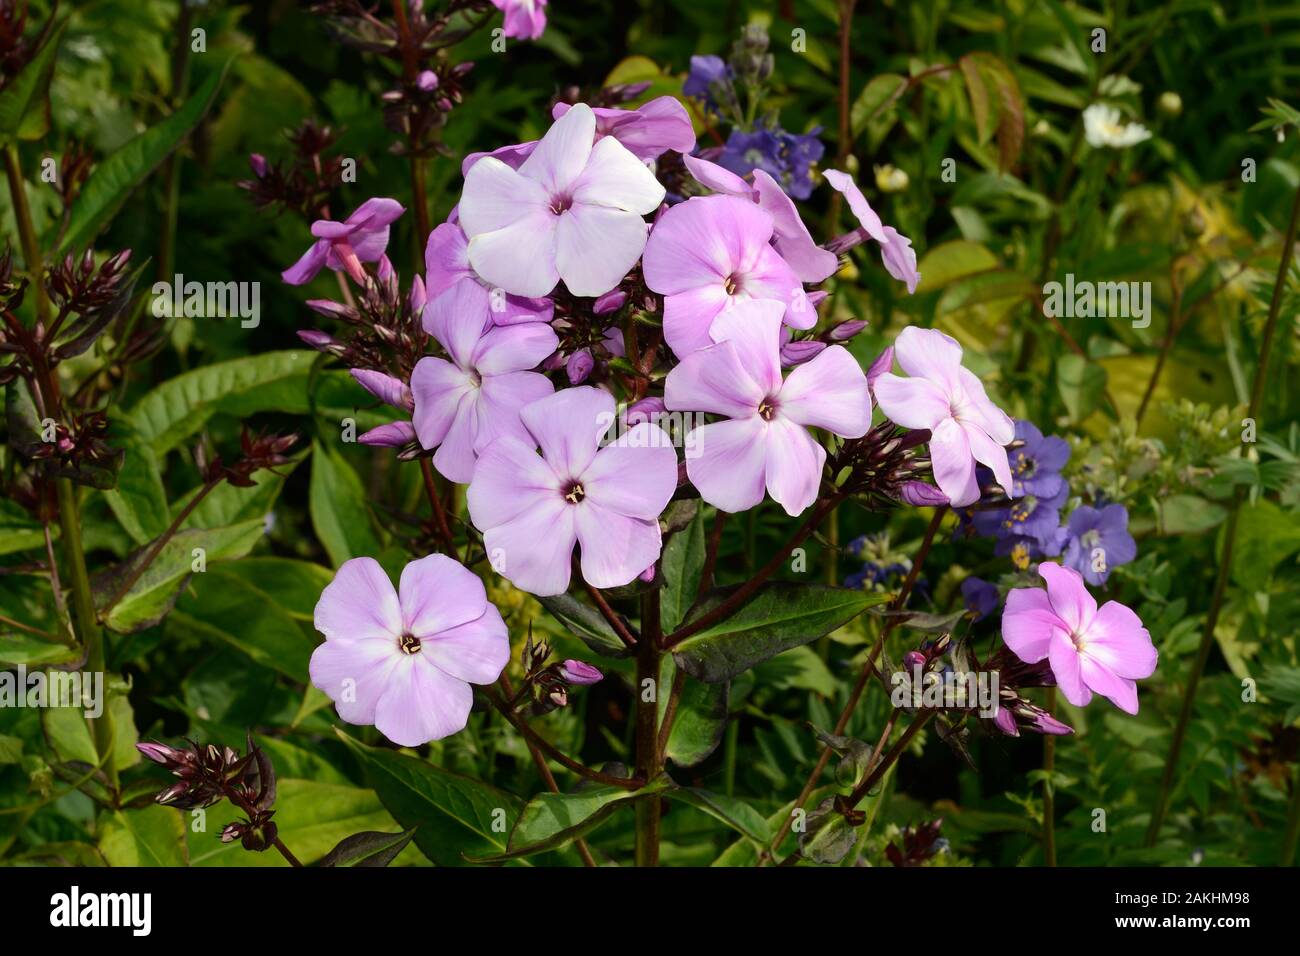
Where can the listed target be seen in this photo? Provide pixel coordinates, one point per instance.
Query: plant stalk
(649, 762)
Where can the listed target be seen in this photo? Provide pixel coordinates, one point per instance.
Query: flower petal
(689, 315)
(596, 246)
(1066, 668)
(911, 402)
(438, 593)
(1101, 680)
(1028, 623)
(562, 154)
(990, 453)
(828, 392)
(534, 551)
(354, 674)
(1119, 642)
(360, 603)
(730, 469)
(310, 263)
(713, 380)
(950, 458)
(476, 651)
(929, 354)
(514, 348)
(1070, 598)
(520, 257)
(634, 476)
(509, 479)
(495, 197)
(615, 548)
(794, 465)
(616, 178)
(568, 426)
(501, 399)
(456, 318)
(422, 703)
(437, 388)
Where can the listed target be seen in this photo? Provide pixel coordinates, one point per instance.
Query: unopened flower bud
(579, 366)
(392, 435)
(609, 302)
(580, 672)
(920, 495)
(258, 164)
(386, 388)
(427, 81)
(796, 353)
(846, 330)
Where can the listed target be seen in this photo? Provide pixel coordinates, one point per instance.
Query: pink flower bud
(418, 295)
(384, 387)
(579, 366)
(258, 163)
(392, 435)
(644, 411)
(920, 495)
(796, 353)
(883, 363)
(580, 672)
(427, 81)
(609, 302)
(846, 330)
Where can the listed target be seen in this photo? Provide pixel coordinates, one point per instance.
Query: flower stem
(1229, 541)
(1049, 788)
(649, 761)
(32, 258)
(890, 758)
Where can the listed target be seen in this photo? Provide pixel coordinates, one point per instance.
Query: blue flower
(980, 597)
(1036, 465)
(709, 81)
(786, 157)
(1097, 540)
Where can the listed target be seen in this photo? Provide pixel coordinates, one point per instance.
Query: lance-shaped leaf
(24, 112)
(116, 177)
(457, 816)
(586, 623)
(683, 562)
(700, 720)
(777, 617)
(737, 814)
(553, 820)
(368, 849)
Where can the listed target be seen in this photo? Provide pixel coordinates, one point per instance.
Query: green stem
(1292, 822)
(648, 760)
(27, 233)
(1229, 541)
(171, 171)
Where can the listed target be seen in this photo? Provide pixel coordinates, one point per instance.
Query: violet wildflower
(1104, 650)
(362, 237)
(787, 157)
(404, 659)
(765, 442)
(572, 211)
(979, 596)
(709, 81)
(949, 401)
(463, 404)
(1098, 539)
(1036, 464)
(524, 19)
(706, 255)
(895, 249)
(533, 509)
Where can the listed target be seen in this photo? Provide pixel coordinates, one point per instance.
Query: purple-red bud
(580, 672)
(579, 366)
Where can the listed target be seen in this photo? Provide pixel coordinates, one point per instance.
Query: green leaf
(1081, 384)
(312, 819)
(117, 176)
(294, 586)
(138, 501)
(156, 590)
(1189, 514)
(701, 719)
(367, 849)
(18, 531)
(69, 734)
(683, 561)
(150, 836)
(26, 92)
(980, 106)
(224, 607)
(585, 622)
(1266, 534)
(231, 504)
(457, 816)
(874, 102)
(553, 820)
(338, 507)
(736, 814)
(778, 617)
(953, 260)
(181, 406)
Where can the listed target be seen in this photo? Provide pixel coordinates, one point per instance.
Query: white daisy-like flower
(1103, 127)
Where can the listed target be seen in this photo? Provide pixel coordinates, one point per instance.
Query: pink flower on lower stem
(524, 19)
(533, 509)
(709, 253)
(573, 211)
(1091, 650)
(362, 237)
(404, 659)
(463, 404)
(942, 396)
(766, 443)
(895, 248)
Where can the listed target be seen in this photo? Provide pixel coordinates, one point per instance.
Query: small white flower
(1102, 127)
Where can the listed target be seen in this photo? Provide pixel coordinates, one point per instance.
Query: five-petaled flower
(533, 509)
(765, 443)
(362, 237)
(942, 396)
(404, 659)
(1102, 650)
(573, 211)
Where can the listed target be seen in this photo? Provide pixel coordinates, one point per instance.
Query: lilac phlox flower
(790, 236)
(467, 400)
(446, 262)
(895, 248)
(648, 131)
(710, 253)
(1104, 651)
(524, 19)
(765, 442)
(362, 237)
(404, 659)
(1098, 539)
(533, 509)
(573, 211)
(948, 400)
